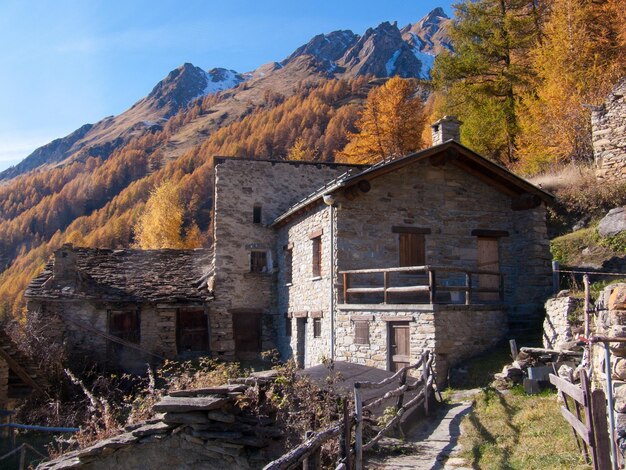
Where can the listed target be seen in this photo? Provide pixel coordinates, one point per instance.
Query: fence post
(556, 283)
(345, 288)
(432, 280)
(22, 457)
(468, 284)
(347, 435)
(587, 302)
(358, 434)
(425, 372)
(601, 433)
(385, 287)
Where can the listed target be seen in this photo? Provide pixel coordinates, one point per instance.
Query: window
(361, 332)
(287, 325)
(288, 265)
(317, 327)
(257, 211)
(316, 268)
(258, 262)
(411, 245)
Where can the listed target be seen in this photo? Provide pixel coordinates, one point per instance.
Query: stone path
(432, 444)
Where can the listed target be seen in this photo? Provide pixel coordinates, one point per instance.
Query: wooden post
(347, 435)
(556, 283)
(358, 433)
(312, 461)
(425, 373)
(22, 457)
(468, 292)
(584, 382)
(345, 288)
(514, 350)
(432, 281)
(587, 302)
(385, 286)
(601, 433)
(400, 399)
(501, 288)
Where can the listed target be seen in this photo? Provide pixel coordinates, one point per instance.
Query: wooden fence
(591, 433)
(430, 284)
(307, 454)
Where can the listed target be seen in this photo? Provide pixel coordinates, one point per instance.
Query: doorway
(247, 334)
(488, 260)
(192, 331)
(399, 345)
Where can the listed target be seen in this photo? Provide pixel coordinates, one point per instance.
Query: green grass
(518, 431)
(567, 249)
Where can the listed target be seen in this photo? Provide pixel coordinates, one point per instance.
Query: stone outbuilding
(125, 307)
(608, 123)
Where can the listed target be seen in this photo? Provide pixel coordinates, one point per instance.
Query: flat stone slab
(192, 417)
(183, 404)
(150, 429)
(222, 389)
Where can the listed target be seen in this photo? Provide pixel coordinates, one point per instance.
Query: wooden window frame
(288, 255)
(361, 332)
(317, 328)
(253, 264)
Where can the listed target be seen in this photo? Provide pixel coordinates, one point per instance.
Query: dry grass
(564, 177)
(518, 431)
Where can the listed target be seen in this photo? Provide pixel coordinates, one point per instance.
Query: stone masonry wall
(239, 185)
(451, 204)
(453, 332)
(558, 326)
(307, 296)
(609, 135)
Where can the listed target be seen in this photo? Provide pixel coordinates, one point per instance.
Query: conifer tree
(485, 76)
(390, 125)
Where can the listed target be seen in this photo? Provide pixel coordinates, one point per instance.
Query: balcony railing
(424, 284)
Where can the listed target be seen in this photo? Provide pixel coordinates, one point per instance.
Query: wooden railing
(307, 454)
(427, 283)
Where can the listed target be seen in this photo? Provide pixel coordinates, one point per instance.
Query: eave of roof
(451, 151)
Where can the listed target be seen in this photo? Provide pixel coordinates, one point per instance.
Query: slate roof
(129, 275)
(468, 160)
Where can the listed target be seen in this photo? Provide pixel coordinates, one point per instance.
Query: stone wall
(559, 325)
(609, 135)
(453, 332)
(157, 330)
(196, 429)
(239, 185)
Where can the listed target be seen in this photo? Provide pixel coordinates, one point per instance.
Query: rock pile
(201, 428)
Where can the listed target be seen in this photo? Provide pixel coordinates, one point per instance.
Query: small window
(287, 326)
(317, 327)
(316, 268)
(258, 262)
(361, 332)
(257, 211)
(288, 266)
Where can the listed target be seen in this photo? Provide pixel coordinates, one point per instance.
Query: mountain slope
(382, 51)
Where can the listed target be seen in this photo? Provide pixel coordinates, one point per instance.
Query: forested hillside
(522, 77)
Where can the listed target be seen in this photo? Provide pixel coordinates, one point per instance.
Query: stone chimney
(64, 266)
(446, 128)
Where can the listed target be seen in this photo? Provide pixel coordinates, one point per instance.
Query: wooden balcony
(422, 284)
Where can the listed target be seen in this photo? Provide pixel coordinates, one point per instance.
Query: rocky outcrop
(202, 428)
(613, 223)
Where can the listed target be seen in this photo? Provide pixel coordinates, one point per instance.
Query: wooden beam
(490, 233)
(19, 371)
(403, 229)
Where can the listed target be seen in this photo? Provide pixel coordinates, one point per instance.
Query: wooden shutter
(317, 327)
(288, 266)
(316, 268)
(192, 331)
(412, 249)
(258, 262)
(361, 332)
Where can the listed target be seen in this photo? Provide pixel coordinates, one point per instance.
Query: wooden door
(412, 249)
(488, 260)
(399, 345)
(192, 331)
(247, 334)
(123, 324)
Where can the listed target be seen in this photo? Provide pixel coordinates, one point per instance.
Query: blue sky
(67, 63)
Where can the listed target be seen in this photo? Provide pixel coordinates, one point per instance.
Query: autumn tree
(299, 151)
(483, 79)
(161, 224)
(579, 60)
(390, 125)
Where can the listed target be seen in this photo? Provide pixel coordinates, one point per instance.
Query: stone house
(125, 307)
(439, 249)
(608, 123)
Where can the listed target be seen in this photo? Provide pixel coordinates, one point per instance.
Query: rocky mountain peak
(325, 47)
(181, 85)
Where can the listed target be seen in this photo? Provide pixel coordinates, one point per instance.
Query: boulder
(613, 223)
(620, 397)
(619, 369)
(618, 331)
(617, 299)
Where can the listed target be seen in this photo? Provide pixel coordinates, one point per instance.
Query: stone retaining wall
(560, 325)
